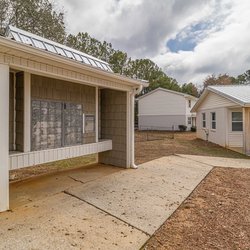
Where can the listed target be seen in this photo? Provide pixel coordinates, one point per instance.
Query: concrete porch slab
(219, 161)
(63, 222)
(40, 187)
(100, 207)
(146, 197)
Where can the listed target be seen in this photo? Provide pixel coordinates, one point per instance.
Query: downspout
(132, 106)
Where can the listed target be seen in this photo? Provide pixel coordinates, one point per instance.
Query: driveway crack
(76, 197)
(76, 179)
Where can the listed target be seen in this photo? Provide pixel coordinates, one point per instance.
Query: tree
(221, 79)
(3, 15)
(190, 88)
(243, 78)
(36, 16)
(119, 62)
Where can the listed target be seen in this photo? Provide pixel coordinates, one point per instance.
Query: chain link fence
(154, 133)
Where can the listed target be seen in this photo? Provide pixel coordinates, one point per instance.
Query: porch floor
(98, 207)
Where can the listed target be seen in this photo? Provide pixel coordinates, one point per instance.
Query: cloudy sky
(188, 39)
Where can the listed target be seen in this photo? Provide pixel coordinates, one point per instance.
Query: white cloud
(222, 50)
(143, 27)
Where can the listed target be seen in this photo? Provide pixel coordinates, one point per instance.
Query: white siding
(218, 135)
(161, 122)
(162, 103)
(188, 110)
(213, 100)
(235, 140)
(39, 157)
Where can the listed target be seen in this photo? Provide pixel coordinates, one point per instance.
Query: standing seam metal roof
(38, 42)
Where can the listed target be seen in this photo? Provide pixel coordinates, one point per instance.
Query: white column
(96, 114)
(246, 131)
(4, 137)
(27, 112)
(133, 131)
(129, 130)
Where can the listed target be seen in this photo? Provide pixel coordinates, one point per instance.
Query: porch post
(27, 112)
(246, 130)
(96, 114)
(4, 137)
(129, 135)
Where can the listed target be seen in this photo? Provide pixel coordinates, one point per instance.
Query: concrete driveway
(99, 207)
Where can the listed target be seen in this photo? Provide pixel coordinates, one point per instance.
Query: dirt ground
(148, 146)
(153, 145)
(215, 216)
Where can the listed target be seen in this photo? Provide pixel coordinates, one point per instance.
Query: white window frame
(189, 120)
(189, 103)
(204, 120)
(213, 121)
(236, 121)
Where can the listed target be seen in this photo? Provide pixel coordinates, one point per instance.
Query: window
(189, 120)
(189, 103)
(204, 120)
(213, 120)
(237, 121)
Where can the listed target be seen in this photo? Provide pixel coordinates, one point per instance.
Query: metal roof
(236, 93)
(239, 94)
(38, 42)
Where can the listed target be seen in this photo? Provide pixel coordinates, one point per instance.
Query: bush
(193, 129)
(182, 127)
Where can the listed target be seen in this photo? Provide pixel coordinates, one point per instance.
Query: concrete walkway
(219, 161)
(100, 207)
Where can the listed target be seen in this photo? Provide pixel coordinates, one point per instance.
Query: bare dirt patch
(215, 216)
(153, 145)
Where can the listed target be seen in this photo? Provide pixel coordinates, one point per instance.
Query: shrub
(193, 129)
(182, 127)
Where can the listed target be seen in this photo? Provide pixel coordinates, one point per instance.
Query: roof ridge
(232, 85)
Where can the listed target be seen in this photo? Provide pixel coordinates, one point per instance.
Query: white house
(163, 109)
(57, 103)
(223, 116)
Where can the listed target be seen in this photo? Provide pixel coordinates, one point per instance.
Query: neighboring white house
(223, 114)
(163, 109)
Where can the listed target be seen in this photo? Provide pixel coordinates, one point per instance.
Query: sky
(188, 39)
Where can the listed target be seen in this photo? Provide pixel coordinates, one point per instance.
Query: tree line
(41, 17)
